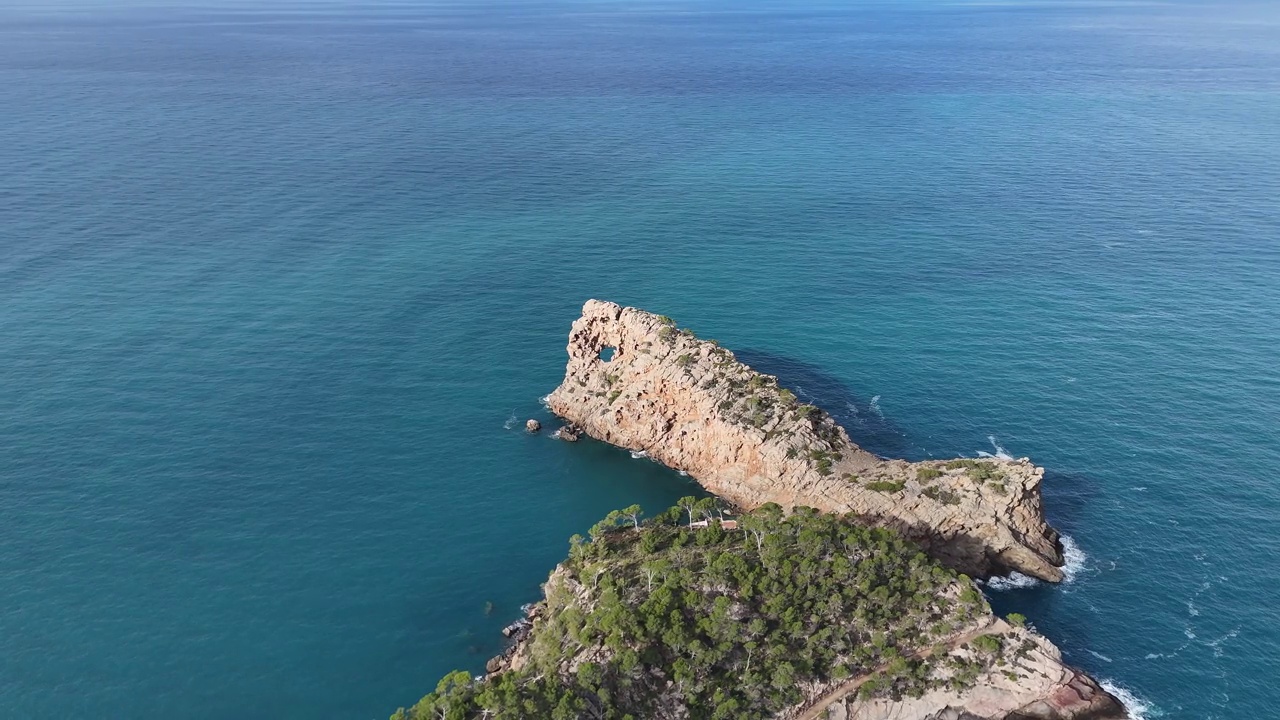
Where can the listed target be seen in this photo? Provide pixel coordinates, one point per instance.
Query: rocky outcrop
(1026, 680)
(689, 404)
(1033, 684)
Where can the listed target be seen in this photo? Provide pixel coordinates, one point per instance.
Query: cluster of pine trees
(648, 615)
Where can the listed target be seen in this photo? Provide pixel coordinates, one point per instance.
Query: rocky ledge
(689, 404)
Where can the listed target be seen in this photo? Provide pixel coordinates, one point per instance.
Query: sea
(281, 281)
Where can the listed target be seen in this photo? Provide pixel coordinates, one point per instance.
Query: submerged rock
(690, 405)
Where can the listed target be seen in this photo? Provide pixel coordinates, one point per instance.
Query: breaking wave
(1138, 708)
(639, 455)
(1015, 581)
(511, 421)
(1073, 556)
(999, 454)
(1075, 559)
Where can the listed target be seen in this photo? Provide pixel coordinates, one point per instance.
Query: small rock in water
(532, 425)
(568, 433)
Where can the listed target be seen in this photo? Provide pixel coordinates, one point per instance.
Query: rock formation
(1044, 689)
(689, 404)
(1026, 680)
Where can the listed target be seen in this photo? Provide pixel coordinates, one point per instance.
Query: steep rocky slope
(691, 405)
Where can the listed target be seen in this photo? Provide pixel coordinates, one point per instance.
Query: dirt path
(819, 707)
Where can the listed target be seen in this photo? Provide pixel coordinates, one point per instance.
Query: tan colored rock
(532, 425)
(692, 406)
(1035, 685)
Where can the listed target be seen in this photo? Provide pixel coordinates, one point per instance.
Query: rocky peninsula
(689, 404)
(823, 583)
(792, 616)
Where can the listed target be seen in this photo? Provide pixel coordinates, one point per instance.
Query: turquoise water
(279, 282)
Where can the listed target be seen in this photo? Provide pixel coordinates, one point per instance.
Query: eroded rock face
(691, 405)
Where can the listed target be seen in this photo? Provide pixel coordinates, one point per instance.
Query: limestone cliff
(689, 404)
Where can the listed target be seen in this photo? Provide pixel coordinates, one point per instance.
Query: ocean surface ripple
(280, 283)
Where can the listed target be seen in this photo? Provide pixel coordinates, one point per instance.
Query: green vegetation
(822, 460)
(655, 615)
(1017, 619)
(684, 360)
(885, 486)
(925, 474)
(942, 495)
(979, 471)
(987, 643)
(667, 334)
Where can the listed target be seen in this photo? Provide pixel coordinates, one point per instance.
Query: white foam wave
(985, 454)
(1138, 708)
(1000, 452)
(875, 406)
(1192, 610)
(511, 421)
(683, 473)
(1075, 559)
(545, 399)
(639, 455)
(1100, 656)
(1217, 644)
(1015, 581)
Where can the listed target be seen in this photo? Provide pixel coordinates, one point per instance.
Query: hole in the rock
(606, 354)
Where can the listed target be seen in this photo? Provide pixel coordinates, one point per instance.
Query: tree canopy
(651, 615)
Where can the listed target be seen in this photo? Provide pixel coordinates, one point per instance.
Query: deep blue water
(277, 278)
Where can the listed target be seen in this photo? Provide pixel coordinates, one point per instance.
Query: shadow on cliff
(1067, 495)
(860, 416)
